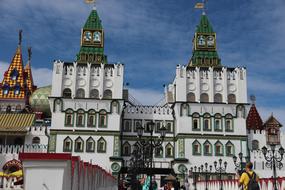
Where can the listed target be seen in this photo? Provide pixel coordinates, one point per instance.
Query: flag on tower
(199, 6)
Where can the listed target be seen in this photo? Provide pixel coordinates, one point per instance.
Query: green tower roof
(93, 21)
(204, 25)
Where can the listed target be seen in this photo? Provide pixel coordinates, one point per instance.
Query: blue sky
(152, 37)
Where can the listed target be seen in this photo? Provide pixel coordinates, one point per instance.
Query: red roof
(253, 120)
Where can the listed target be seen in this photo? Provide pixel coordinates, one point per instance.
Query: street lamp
(205, 170)
(194, 173)
(273, 159)
(220, 169)
(150, 144)
(240, 165)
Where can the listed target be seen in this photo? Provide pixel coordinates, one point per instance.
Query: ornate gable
(253, 120)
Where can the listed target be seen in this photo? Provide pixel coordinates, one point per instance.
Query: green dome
(39, 100)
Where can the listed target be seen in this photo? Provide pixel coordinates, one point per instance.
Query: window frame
(98, 145)
(79, 139)
(196, 116)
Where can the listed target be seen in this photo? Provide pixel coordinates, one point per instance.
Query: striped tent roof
(16, 122)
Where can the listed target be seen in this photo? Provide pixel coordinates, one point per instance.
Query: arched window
(101, 145)
(127, 127)
(90, 145)
(18, 108)
(218, 122)
(103, 119)
(231, 98)
(204, 97)
(80, 93)
(159, 151)
(69, 118)
(229, 123)
(207, 122)
(107, 94)
(240, 111)
(255, 145)
(115, 107)
(195, 122)
(80, 118)
(14, 74)
(91, 119)
(219, 149)
(17, 89)
(196, 148)
(79, 144)
(191, 97)
(184, 109)
(67, 145)
(36, 140)
(168, 150)
(94, 93)
(6, 89)
(126, 149)
(218, 98)
(207, 146)
(66, 93)
(230, 149)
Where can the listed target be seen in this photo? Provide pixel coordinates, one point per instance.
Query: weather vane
(202, 6)
(91, 2)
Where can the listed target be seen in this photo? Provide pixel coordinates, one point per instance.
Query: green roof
(88, 50)
(93, 21)
(204, 25)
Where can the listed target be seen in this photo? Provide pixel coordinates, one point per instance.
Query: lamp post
(240, 165)
(273, 159)
(194, 173)
(220, 169)
(205, 170)
(149, 144)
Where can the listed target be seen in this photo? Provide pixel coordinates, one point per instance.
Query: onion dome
(39, 100)
(253, 120)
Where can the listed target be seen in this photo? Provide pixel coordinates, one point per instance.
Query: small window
(138, 123)
(218, 122)
(127, 125)
(231, 98)
(229, 123)
(6, 89)
(207, 148)
(196, 148)
(107, 94)
(204, 97)
(218, 98)
(103, 119)
(69, 118)
(207, 122)
(168, 126)
(126, 149)
(229, 149)
(158, 124)
(80, 118)
(101, 145)
(159, 151)
(195, 122)
(219, 149)
(169, 150)
(94, 93)
(66, 93)
(36, 140)
(90, 145)
(191, 97)
(67, 145)
(79, 143)
(80, 93)
(91, 119)
(255, 145)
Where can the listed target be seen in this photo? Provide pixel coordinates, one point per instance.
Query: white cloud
(146, 96)
(41, 76)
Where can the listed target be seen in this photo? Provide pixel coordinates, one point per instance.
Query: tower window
(66, 93)
(80, 118)
(218, 98)
(195, 122)
(101, 145)
(79, 145)
(107, 94)
(94, 93)
(169, 150)
(67, 144)
(196, 148)
(80, 93)
(90, 145)
(231, 98)
(36, 140)
(103, 119)
(69, 118)
(204, 97)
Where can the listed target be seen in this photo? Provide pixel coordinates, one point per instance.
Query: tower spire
(20, 37)
(29, 53)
